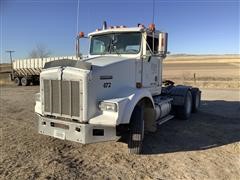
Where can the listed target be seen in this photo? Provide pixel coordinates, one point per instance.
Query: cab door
(151, 69)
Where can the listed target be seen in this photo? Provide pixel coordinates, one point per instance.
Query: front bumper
(74, 131)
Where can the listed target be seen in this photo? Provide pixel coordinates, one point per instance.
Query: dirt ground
(207, 146)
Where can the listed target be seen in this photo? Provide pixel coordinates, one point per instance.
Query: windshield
(116, 43)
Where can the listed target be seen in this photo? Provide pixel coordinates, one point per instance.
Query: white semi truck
(116, 92)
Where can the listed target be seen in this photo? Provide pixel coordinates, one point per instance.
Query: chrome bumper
(73, 131)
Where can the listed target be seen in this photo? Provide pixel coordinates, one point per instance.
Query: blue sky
(196, 26)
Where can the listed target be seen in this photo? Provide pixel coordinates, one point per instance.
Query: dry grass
(5, 79)
(208, 81)
(5, 68)
(204, 71)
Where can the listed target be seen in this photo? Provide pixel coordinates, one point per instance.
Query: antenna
(77, 15)
(153, 11)
(153, 34)
(77, 39)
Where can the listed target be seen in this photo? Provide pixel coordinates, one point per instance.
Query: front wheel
(136, 131)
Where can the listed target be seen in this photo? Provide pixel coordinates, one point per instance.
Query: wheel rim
(188, 105)
(24, 81)
(17, 81)
(197, 101)
(143, 130)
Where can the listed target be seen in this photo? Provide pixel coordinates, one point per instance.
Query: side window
(150, 43)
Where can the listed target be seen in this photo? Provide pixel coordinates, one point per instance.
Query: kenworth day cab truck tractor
(116, 92)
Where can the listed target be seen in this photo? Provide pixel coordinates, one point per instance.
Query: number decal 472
(107, 85)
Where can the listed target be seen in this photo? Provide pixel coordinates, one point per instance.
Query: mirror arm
(78, 45)
(148, 46)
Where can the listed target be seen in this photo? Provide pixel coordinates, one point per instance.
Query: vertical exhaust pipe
(77, 47)
(104, 25)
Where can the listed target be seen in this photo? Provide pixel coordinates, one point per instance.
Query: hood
(86, 64)
(102, 61)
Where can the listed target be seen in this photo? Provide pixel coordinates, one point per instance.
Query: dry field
(204, 71)
(5, 69)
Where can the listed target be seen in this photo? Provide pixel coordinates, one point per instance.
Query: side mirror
(79, 36)
(163, 42)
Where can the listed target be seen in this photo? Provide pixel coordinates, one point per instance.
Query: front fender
(126, 104)
(131, 102)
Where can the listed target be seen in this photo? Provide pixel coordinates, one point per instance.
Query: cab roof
(119, 29)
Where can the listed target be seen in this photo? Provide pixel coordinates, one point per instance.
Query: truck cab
(116, 91)
(132, 44)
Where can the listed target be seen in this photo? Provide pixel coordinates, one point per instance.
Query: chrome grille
(63, 98)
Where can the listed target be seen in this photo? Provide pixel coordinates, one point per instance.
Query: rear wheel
(25, 81)
(184, 111)
(196, 99)
(17, 81)
(136, 131)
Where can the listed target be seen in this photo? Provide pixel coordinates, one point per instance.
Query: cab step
(164, 119)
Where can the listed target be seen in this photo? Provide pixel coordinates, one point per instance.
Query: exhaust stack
(104, 25)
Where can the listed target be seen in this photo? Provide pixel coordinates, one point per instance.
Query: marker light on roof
(81, 34)
(152, 27)
(141, 26)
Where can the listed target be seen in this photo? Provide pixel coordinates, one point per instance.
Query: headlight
(37, 97)
(108, 106)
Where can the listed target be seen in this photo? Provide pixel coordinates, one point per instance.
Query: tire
(136, 131)
(25, 81)
(17, 81)
(183, 112)
(196, 99)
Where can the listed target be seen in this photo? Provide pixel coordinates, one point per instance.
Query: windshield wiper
(113, 48)
(117, 52)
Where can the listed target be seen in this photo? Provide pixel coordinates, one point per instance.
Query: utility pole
(10, 54)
